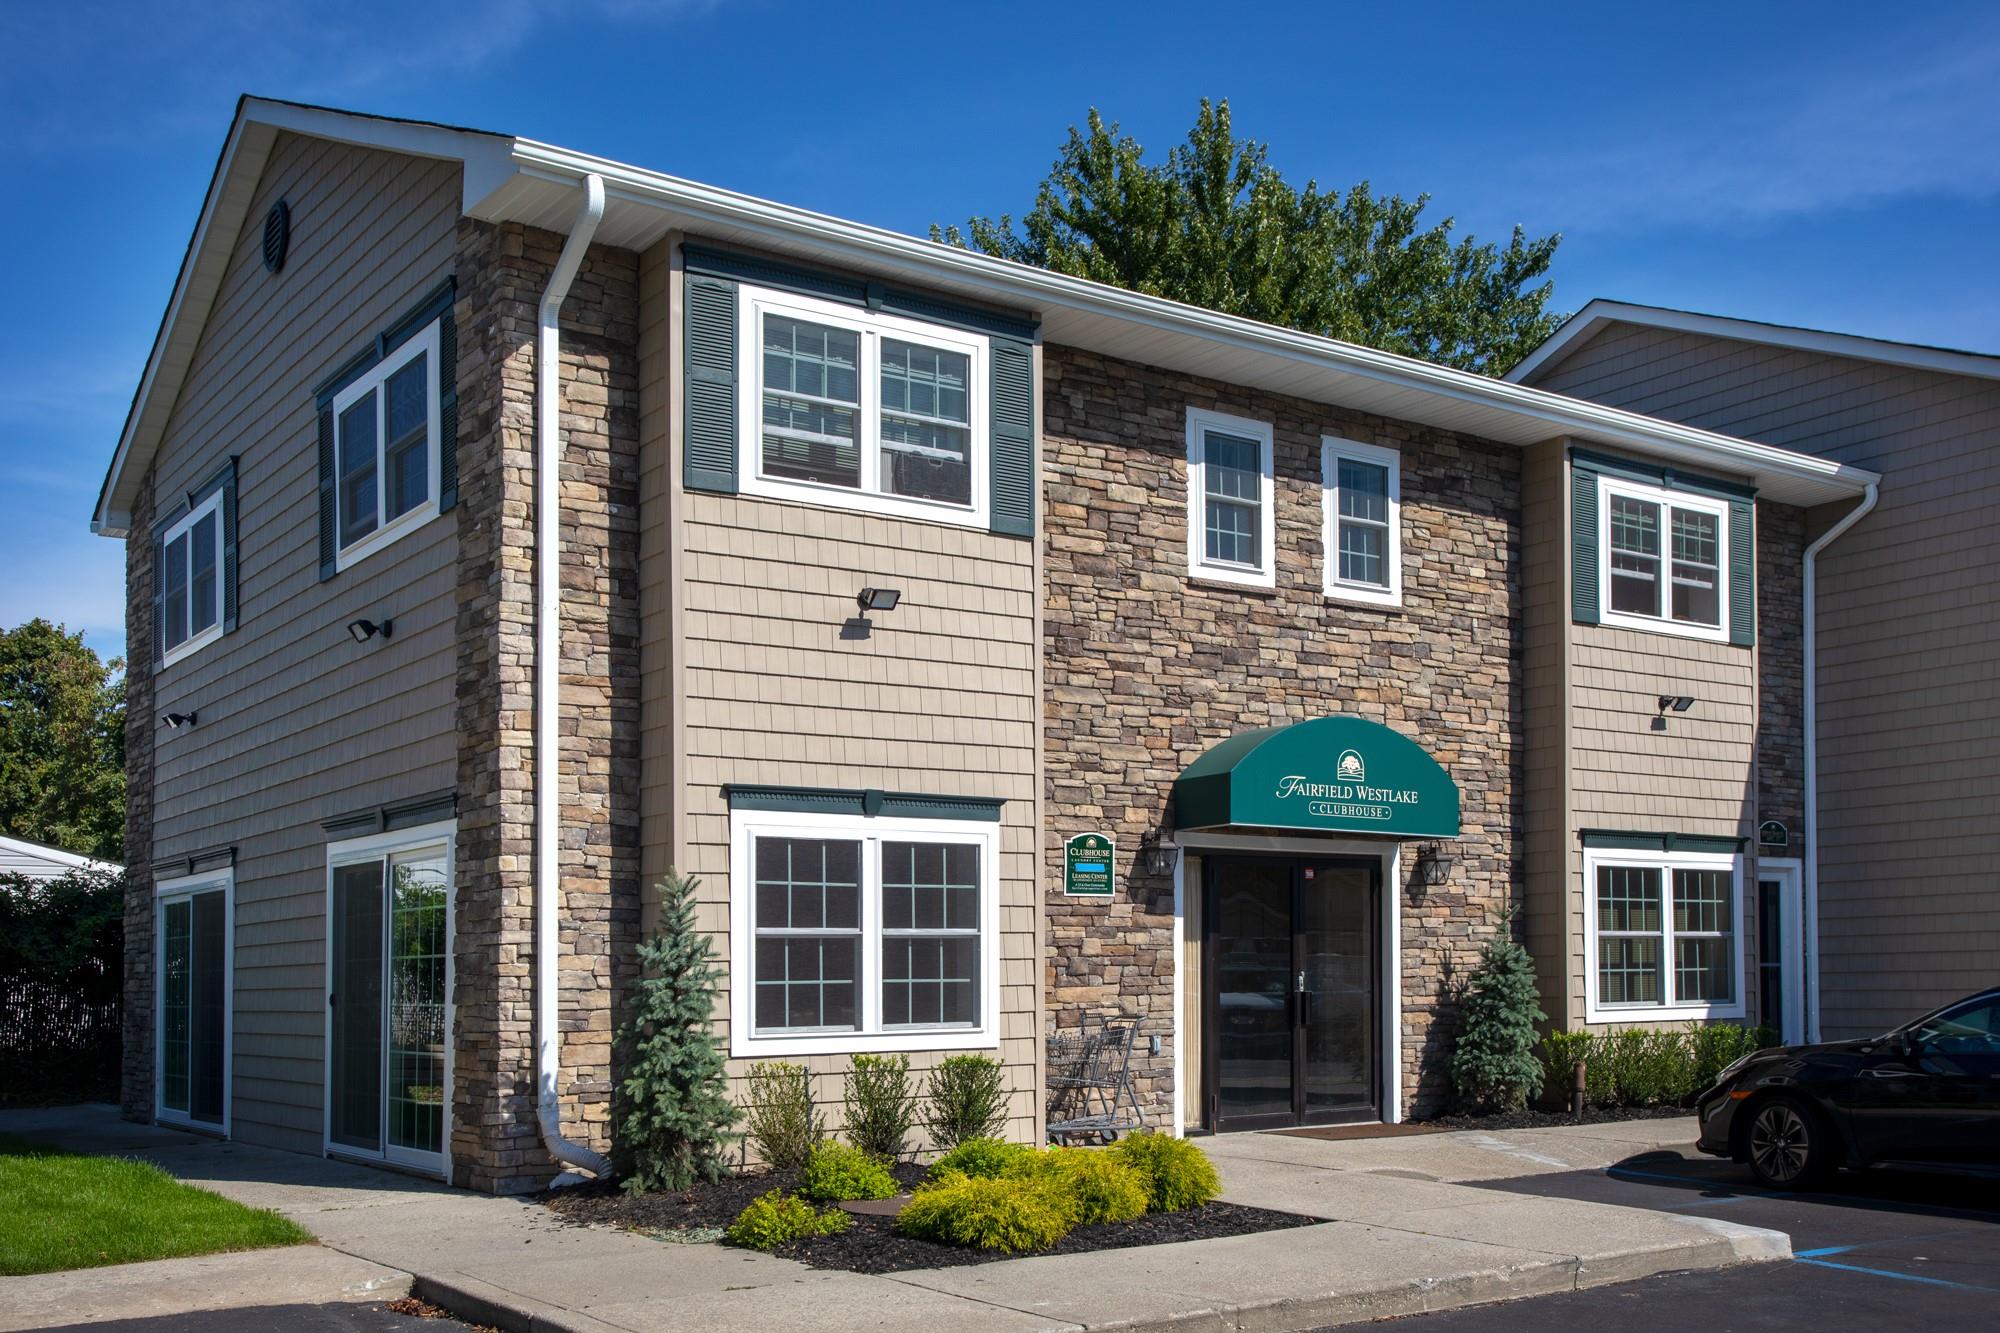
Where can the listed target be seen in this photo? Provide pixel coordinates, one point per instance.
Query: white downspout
(548, 684)
(1810, 933)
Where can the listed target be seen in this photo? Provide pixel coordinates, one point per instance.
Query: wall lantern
(879, 599)
(1433, 864)
(1161, 857)
(175, 721)
(364, 630)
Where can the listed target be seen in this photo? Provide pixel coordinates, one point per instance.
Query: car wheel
(1787, 1145)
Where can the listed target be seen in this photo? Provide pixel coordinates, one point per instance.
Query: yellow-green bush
(774, 1218)
(1100, 1186)
(1012, 1214)
(1177, 1174)
(835, 1171)
(982, 1157)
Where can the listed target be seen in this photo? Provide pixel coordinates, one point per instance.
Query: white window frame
(1332, 450)
(870, 1036)
(358, 851)
(195, 642)
(872, 327)
(1670, 1008)
(1664, 623)
(164, 891)
(388, 531)
(1201, 420)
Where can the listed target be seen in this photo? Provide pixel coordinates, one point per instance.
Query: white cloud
(1892, 124)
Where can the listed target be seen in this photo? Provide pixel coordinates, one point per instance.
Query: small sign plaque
(1087, 866)
(1771, 833)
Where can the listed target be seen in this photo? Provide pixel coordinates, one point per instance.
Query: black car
(1927, 1093)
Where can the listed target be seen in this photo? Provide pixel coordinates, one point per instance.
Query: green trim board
(867, 803)
(808, 281)
(1665, 478)
(1326, 775)
(1632, 840)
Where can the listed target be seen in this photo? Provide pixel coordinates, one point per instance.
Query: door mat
(1337, 1133)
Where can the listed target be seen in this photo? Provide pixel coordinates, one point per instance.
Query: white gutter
(1810, 933)
(548, 683)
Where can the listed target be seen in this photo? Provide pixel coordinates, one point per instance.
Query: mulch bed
(870, 1244)
(1531, 1119)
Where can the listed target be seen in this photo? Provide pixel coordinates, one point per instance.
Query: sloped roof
(521, 180)
(1600, 315)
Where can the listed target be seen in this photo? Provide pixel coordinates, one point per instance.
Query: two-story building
(509, 526)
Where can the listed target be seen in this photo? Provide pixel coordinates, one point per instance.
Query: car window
(1972, 1029)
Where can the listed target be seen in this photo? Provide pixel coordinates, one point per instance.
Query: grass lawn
(62, 1210)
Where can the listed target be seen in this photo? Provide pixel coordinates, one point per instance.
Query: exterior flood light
(364, 630)
(175, 721)
(1680, 703)
(879, 599)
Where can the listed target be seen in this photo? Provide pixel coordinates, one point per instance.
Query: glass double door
(388, 1012)
(1292, 993)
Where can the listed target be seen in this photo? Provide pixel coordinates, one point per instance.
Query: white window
(193, 925)
(856, 934)
(1230, 499)
(190, 576)
(862, 410)
(1363, 499)
(1665, 557)
(1665, 935)
(385, 454)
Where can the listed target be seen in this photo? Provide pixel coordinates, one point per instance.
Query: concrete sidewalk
(1399, 1236)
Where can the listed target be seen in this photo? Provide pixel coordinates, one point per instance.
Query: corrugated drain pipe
(548, 686)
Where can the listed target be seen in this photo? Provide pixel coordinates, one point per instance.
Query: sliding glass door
(388, 1000)
(192, 1071)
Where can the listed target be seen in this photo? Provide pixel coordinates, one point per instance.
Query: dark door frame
(1214, 866)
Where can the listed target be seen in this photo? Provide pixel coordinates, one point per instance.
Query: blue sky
(1833, 165)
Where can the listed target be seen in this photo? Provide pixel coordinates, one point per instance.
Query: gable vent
(277, 235)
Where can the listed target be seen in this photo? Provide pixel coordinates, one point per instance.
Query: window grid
(1652, 953)
(1664, 557)
(1635, 556)
(807, 974)
(930, 935)
(1697, 570)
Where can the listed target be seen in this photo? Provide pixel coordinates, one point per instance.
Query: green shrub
(880, 1107)
(1177, 1174)
(1100, 1186)
(671, 1112)
(835, 1171)
(1012, 1214)
(968, 1100)
(1559, 1052)
(1722, 1045)
(1493, 1064)
(981, 1157)
(782, 1122)
(1646, 1066)
(772, 1219)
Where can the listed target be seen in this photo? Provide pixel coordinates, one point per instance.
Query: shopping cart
(1090, 1081)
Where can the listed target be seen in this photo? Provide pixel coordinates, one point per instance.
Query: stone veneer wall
(1147, 668)
(502, 271)
(136, 1082)
(1781, 690)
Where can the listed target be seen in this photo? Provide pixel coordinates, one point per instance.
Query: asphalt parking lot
(1874, 1250)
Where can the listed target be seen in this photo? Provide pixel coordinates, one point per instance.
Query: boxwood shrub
(1644, 1066)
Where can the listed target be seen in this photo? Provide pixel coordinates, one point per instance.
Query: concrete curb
(483, 1303)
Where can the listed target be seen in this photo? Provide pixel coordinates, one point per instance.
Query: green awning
(1329, 775)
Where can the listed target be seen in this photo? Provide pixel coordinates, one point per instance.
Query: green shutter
(1583, 540)
(329, 552)
(159, 596)
(708, 441)
(447, 409)
(229, 548)
(1742, 574)
(1013, 438)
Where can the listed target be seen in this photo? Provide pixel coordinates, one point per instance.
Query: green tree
(671, 1113)
(1216, 225)
(1494, 1065)
(62, 742)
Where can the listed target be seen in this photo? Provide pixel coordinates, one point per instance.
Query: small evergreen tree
(1494, 1066)
(671, 1113)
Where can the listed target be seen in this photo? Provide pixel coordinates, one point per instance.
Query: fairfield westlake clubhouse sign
(1329, 774)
